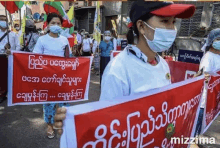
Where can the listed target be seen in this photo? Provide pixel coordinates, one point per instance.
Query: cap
(107, 32)
(30, 23)
(214, 34)
(166, 9)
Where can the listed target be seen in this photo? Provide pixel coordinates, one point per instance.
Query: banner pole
(7, 21)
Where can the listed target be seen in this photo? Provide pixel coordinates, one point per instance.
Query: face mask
(55, 29)
(163, 39)
(17, 28)
(107, 38)
(3, 24)
(216, 45)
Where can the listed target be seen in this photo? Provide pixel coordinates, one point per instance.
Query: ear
(140, 27)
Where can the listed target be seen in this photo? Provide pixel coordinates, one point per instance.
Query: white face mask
(107, 38)
(3, 24)
(17, 28)
(163, 39)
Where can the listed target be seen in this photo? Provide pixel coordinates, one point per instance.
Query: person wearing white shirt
(209, 64)
(139, 68)
(114, 40)
(86, 45)
(14, 43)
(56, 45)
(95, 46)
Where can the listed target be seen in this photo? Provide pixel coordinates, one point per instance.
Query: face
(155, 22)
(55, 21)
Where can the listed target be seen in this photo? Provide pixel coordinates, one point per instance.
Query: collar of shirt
(137, 52)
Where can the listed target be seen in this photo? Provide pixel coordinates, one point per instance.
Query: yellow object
(23, 23)
(70, 13)
(97, 22)
(114, 26)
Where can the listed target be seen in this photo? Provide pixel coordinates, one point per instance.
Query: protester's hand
(207, 77)
(199, 73)
(59, 117)
(7, 46)
(8, 52)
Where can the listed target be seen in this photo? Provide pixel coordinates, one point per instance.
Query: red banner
(36, 79)
(181, 70)
(213, 100)
(114, 54)
(149, 119)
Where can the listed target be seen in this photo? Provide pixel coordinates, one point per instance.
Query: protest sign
(39, 79)
(114, 54)
(148, 119)
(181, 71)
(190, 56)
(213, 101)
(124, 43)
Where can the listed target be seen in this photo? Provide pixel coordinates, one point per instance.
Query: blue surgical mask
(3, 24)
(163, 39)
(216, 45)
(55, 29)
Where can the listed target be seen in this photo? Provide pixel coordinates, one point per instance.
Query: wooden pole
(7, 21)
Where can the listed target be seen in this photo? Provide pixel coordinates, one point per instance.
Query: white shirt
(115, 44)
(79, 38)
(127, 74)
(13, 40)
(86, 44)
(94, 47)
(210, 62)
(51, 46)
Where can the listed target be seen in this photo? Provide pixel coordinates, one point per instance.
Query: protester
(210, 63)
(138, 68)
(114, 39)
(57, 45)
(17, 30)
(86, 45)
(13, 43)
(106, 47)
(94, 46)
(79, 42)
(30, 37)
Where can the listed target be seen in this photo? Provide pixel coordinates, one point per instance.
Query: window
(189, 26)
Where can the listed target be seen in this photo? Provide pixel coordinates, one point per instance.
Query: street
(24, 127)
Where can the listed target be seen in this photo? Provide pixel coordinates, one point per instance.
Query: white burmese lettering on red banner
(39, 63)
(36, 63)
(78, 94)
(61, 80)
(99, 137)
(165, 144)
(214, 84)
(65, 63)
(42, 95)
(30, 79)
(180, 110)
